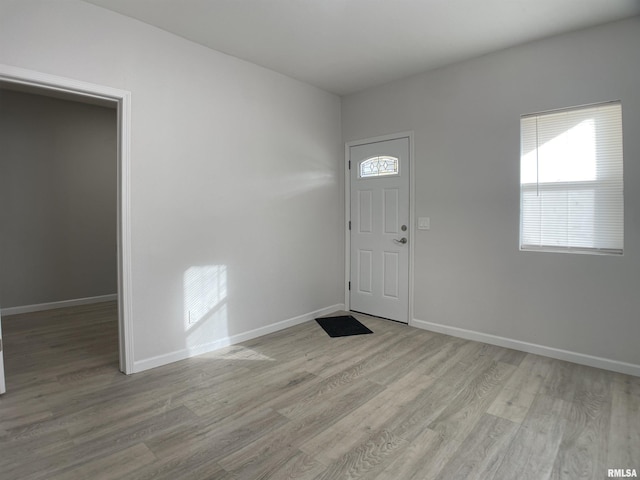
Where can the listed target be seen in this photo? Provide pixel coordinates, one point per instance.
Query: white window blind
(571, 180)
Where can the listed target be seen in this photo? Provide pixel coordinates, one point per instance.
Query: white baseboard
(61, 304)
(146, 364)
(580, 358)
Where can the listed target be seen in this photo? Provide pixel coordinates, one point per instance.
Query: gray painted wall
(57, 200)
(236, 175)
(469, 272)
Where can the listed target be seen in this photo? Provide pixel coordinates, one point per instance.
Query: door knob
(403, 240)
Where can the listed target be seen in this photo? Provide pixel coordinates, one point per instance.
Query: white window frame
(565, 231)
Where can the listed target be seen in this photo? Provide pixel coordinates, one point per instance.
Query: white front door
(380, 229)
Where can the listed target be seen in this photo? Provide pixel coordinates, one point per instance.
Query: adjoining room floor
(399, 404)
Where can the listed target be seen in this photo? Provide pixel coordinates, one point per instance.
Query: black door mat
(342, 326)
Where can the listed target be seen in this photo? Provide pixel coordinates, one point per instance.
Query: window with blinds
(571, 180)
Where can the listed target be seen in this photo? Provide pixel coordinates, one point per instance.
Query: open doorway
(22, 82)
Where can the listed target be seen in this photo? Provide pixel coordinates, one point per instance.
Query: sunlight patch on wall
(205, 304)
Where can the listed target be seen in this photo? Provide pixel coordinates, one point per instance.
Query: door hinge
(349, 224)
(349, 285)
(349, 164)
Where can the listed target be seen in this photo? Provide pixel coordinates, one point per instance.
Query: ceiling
(344, 46)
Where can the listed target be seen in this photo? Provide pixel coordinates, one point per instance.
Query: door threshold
(381, 318)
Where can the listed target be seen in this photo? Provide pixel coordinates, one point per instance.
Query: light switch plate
(424, 223)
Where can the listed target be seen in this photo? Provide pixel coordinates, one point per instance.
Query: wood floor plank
(583, 450)
(299, 401)
(456, 419)
(535, 446)
(328, 445)
(111, 467)
(366, 458)
(561, 380)
(481, 453)
(218, 438)
(512, 357)
(69, 456)
(299, 466)
(416, 460)
(17, 454)
(519, 392)
(24, 413)
(428, 406)
(347, 350)
(441, 354)
(277, 447)
(623, 449)
(409, 358)
(189, 465)
(472, 400)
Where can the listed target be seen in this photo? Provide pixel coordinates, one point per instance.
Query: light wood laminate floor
(399, 404)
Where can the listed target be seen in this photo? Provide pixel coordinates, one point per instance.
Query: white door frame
(122, 98)
(347, 210)
(3, 387)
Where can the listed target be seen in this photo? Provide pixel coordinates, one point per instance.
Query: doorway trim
(347, 212)
(122, 98)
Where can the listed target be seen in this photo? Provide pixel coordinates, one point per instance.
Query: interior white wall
(469, 272)
(57, 200)
(236, 180)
